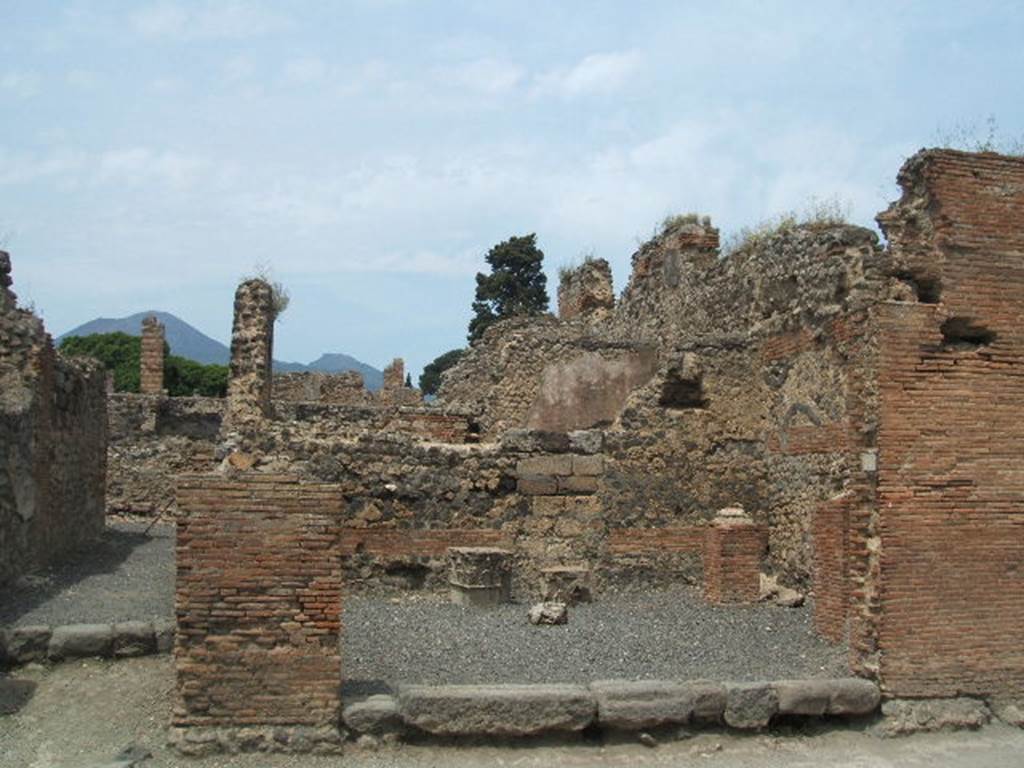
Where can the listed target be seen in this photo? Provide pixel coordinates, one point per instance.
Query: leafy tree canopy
(516, 286)
(430, 379)
(120, 353)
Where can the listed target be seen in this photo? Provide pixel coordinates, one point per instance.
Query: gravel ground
(81, 715)
(126, 575)
(666, 634)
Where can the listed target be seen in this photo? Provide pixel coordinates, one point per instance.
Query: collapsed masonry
(53, 437)
(860, 403)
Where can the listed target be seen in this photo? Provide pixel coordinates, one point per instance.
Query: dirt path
(81, 715)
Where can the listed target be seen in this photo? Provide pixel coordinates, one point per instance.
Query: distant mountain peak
(187, 341)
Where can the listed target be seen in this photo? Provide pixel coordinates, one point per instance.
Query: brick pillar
(252, 347)
(258, 604)
(831, 587)
(733, 546)
(151, 360)
(394, 375)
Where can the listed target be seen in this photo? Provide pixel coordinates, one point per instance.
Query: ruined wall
(344, 388)
(53, 433)
(950, 485)
(258, 602)
(586, 290)
(252, 344)
(152, 440)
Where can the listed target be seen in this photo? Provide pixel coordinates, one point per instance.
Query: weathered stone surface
(904, 716)
(163, 632)
(853, 696)
(750, 705)
(789, 598)
(537, 485)
(633, 705)
(559, 464)
(501, 710)
(587, 465)
(577, 484)
(479, 576)
(843, 696)
(586, 441)
(549, 613)
(134, 638)
(25, 644)
(377, 714)
(81, 640)
(1009, 712)
(565, 585)
(204, 741)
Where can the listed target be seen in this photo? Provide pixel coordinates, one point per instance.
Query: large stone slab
(134, 638)
(501, 710)
(635, 705)
(377, 715)
(25, 644)
(81, 640)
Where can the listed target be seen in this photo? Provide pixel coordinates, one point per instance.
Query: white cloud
(596, 73)
(307, 69)
(20, 84)
(485, 75)
(232, 19)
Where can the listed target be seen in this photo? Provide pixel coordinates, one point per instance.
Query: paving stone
(134, 638)
(750, 706)
(853, 696)
(377, 714)
(29, 643)
(501, 710)
(634, 705)
(81, 640)
(905, 716)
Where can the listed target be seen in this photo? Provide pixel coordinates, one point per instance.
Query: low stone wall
(121, 640)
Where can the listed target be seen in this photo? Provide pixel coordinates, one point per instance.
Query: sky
(369, 153)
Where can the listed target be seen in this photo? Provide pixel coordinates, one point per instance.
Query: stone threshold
(510, 712)
(117, 640)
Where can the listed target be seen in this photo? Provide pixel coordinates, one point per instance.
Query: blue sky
(369, 153)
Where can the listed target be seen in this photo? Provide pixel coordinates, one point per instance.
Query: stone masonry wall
(151, 359)
(344, 388)
(53, 431)
(258, 602)
(252, 343)
(586, 290)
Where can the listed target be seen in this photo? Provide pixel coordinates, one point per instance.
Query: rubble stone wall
(344, 388)
(54, 434)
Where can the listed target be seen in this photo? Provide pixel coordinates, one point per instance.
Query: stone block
(498, 710)
(586, 441)
(853, 696)
(750, 706)
(479, 576)
(163, 631)
(134, 638)
(81, 640)
(549, 613)
(377, 714)
(803, 697)
(29, 643)
(635, 705)
(560, 464)
(905, 716)
(577, 484)
(588, 465)
(537, 485)
(478, 597)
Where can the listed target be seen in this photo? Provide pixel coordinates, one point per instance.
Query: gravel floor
(666, 634)
(126, 575)
(421, 638)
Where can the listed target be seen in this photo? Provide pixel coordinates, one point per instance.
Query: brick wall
(151, 358)
(732, 562)
(831, 582)
(258, 601)
(950, 496)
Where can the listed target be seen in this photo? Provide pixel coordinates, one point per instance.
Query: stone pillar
(151, 360)
(586, 290)
(479, 576)
(252, 347)
(733, 546)
(394, 375)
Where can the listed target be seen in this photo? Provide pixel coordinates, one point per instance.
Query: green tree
(430, 379)
(118, 352)
(516, 286)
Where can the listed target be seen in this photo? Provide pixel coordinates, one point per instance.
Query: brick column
(733, 546)
(151, 360)
(258, 603)
(252, 347)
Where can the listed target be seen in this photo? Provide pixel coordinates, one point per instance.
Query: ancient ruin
(815, 408)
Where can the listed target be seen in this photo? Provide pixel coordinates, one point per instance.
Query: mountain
(189, 342)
